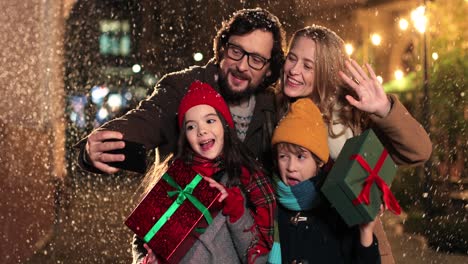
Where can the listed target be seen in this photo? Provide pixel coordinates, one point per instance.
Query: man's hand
(97, 148)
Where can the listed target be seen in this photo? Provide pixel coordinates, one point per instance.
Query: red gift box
(168, 219)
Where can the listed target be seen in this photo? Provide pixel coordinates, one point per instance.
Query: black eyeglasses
(236, 53)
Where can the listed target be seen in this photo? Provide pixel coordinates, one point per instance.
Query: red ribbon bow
(388, 197)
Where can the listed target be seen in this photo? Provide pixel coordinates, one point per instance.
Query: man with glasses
(236, 53)
(248, 58)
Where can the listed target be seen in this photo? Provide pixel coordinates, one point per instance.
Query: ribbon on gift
(182, 195)
(388, 197)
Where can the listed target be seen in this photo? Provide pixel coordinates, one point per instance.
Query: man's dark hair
(245, 21)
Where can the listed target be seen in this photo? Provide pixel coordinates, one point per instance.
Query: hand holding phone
(135, 157)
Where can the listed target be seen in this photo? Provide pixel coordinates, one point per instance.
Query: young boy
(307, 229)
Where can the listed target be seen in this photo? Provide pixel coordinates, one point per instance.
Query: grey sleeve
(241, 234)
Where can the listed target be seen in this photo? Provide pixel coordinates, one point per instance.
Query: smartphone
(135, 157)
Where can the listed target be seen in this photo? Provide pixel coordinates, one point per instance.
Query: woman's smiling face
(298, 74)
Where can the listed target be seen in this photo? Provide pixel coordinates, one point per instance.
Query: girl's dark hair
(245, 21)
(236, 155)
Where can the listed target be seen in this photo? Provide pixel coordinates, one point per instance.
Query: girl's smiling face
(204, 131)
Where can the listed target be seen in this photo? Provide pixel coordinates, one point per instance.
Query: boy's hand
(366, 230)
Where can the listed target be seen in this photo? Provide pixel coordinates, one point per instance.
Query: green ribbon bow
(182, 194)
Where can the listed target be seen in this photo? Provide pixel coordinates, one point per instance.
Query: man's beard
(231, 96)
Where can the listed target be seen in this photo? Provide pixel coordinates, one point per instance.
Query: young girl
(351, 101)
(208, 144)
(308, 229)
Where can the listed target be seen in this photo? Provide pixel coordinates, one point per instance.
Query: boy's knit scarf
(259, 193)
(300, 197)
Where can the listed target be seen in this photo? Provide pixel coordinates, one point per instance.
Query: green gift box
(360, 179)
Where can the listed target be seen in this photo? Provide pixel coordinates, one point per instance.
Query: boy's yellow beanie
(303, 125)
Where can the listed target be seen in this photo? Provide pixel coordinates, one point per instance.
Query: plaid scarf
(259, 193)
(204, 166)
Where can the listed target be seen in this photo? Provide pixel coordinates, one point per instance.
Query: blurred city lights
(150, 79)
(198, 56)
(398, 75)
(114, 101)
(136, 68)
(403, 24)
(102, 114)
(98, 93)
(376, 39)
(128, 96)
(349, 48)
(419, 19)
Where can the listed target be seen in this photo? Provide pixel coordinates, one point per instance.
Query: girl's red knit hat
(202, 93)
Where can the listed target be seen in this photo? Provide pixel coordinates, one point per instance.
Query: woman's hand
(150, 258)
(371, 96)
(217, 185)
(366, 230)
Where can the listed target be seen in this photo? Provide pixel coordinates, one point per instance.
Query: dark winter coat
(154, 122)
(322, 238)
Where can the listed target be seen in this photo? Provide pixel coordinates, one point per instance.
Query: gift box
(174, 213)
(360, 178)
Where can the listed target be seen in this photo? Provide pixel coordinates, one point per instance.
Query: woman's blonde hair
(329, 89)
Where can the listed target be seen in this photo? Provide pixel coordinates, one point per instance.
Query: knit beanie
(202, 93)
(303, 125)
